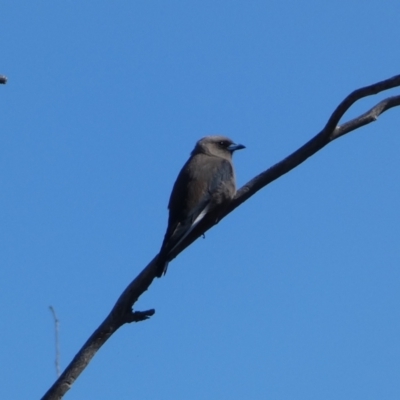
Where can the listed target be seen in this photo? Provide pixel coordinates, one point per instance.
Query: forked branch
(122, 312)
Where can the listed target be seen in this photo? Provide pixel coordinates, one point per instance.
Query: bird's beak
(233, 147)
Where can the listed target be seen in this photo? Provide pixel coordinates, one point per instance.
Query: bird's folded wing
(196, 191)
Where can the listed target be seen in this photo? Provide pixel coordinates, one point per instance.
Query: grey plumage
(205, 182)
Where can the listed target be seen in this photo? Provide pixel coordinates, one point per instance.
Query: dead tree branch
(122, 311)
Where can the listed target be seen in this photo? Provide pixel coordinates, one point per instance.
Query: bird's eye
(222, 143)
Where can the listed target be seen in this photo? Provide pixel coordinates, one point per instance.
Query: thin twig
(56, 331)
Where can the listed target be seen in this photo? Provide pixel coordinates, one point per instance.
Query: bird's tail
(162, 265)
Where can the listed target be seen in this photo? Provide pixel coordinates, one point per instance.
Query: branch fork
(122, 311)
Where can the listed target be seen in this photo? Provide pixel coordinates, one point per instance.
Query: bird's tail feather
(162, 259)
(162, 266)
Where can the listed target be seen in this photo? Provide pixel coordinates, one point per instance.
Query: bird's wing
(203, 182)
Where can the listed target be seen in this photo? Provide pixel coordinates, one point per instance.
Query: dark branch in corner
(3, 79)
(122, 311)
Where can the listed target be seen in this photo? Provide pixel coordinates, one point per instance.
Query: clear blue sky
(295, 295)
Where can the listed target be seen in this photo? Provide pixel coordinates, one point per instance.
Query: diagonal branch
(122, 311)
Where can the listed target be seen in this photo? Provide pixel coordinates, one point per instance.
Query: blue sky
(295, 295)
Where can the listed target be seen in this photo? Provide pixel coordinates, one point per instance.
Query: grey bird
(205, 182)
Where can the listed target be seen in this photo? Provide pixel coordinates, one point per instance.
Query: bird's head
(218, 146)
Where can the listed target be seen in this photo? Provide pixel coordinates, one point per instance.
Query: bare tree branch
(56, 331)
(3, 79)
(122, 311)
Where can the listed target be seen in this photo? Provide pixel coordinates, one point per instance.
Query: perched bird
(206, 181)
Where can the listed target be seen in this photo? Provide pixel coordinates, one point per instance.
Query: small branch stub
(138, 316)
